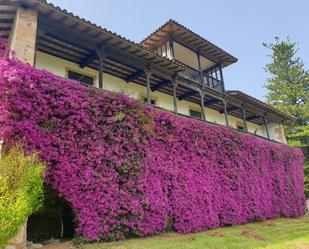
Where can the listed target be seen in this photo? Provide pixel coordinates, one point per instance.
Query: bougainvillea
(129, 169)
(3, 47)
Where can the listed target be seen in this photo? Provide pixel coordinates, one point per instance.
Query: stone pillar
(20, 240)
(23, 35)
(22, 41)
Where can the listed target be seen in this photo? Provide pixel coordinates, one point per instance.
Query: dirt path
(62, 245)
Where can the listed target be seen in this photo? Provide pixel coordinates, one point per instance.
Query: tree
(288, 84)
(288, 90)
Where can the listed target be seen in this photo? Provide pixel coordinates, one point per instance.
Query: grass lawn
(273, 234)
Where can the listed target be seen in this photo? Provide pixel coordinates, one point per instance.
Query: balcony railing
(203, 79)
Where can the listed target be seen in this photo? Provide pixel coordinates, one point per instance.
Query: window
(84, 79)
(152, 101)
(168, 51)
(163, 50)
(195, 114)
(240, 126)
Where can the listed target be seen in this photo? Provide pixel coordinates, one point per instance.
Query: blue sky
(238, 26)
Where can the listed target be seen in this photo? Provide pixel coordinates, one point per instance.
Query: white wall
(60, 66)
(189, 57)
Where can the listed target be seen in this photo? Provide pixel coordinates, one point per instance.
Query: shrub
(126, 168)
(21, 184)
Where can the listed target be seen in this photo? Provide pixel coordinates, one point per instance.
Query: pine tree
(288, 84)
(288, 90)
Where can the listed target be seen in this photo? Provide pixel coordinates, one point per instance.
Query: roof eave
(237, 93)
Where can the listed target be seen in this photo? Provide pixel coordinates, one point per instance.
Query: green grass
(273, 234)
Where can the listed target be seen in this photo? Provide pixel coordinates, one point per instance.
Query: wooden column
(101, 61)
(221, 78)
(243, 110)
(22, 39)
(266, 126)
(148, 75)
(199, 65)
(225, 112)
(203, 106)
(102, 54)
(174, 93)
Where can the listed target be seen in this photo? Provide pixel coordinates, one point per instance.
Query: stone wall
(23, 42)
(20, 240)
(23, 35)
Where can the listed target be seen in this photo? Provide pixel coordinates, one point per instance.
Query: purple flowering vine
(126, 168)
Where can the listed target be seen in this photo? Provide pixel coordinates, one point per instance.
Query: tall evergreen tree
(288, 90)
(288, 83)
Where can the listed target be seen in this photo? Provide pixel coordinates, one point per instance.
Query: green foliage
(288, 84)
(288, 90)
(21, 190)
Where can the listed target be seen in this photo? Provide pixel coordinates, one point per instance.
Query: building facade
(173, 68)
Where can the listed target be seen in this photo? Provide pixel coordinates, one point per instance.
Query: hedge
(21, 190)
(129, 169)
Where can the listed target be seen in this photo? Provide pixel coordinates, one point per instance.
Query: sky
(238, 26)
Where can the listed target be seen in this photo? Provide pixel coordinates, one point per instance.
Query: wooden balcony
(203, 79)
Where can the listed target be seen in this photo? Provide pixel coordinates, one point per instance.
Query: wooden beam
(225, 113)
(266, 126)
(212, 101)
(8, 12)
(87, 42)
(6, 20)
(221, 78)
(243, 110)
(230, 109)
(5, 28)
(92, 56)
(100, 51)
(203, 107)
(135, 75)
(187, 95)
(199, 65)
(174, 93)
(148, 75)
(252, 117)
(101, 71)
(160, 85)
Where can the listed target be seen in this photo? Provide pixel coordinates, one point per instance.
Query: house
(173, 68)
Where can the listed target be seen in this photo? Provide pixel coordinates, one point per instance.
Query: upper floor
(69, 46)
(203, 60)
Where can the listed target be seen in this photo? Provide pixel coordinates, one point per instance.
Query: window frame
(82, 72)
(143, 97)
(195, 110)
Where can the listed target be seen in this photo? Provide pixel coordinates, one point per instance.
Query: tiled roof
(52, 8)
(207, 43)
(260, 104)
